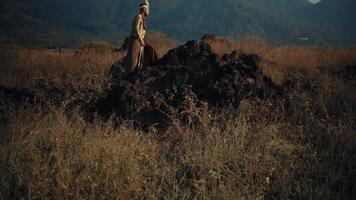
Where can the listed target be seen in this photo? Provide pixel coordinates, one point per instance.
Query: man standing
(139, 53)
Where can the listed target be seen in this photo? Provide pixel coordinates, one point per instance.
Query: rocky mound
(348, 72)
(189, 74)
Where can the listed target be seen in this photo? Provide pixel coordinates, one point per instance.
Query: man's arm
(138, 22)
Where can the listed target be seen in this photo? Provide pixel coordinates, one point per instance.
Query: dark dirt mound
(348, 72)
(48, 92)
(189, 74)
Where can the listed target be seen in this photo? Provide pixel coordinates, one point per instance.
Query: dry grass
(51, 155)
(161, 42)
(22, 67)
(299, 147)
(261, 151)
(278, 60)
(310, 59)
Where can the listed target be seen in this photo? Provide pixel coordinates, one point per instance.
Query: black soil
(189, 74)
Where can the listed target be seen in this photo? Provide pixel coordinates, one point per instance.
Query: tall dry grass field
(299, 147)
(21, 67)
(278, 60)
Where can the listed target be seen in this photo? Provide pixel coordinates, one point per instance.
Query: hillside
(69, 23)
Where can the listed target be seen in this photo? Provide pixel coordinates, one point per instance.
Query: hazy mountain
(70, 22)
(337, 14)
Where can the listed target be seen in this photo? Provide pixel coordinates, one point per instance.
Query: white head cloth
(145, 4)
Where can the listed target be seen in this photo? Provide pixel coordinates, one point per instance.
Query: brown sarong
(133, 54)
(135, 59)
(150, 56)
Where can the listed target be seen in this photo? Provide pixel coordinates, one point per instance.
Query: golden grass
(277, 60)
(22, 67)
(161, 42)
(264, 152)
(55, 156)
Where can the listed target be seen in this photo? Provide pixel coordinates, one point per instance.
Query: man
(139, 52)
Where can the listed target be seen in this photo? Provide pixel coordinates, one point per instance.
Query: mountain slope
(228, 17)
(336, 14)
(71, 22)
